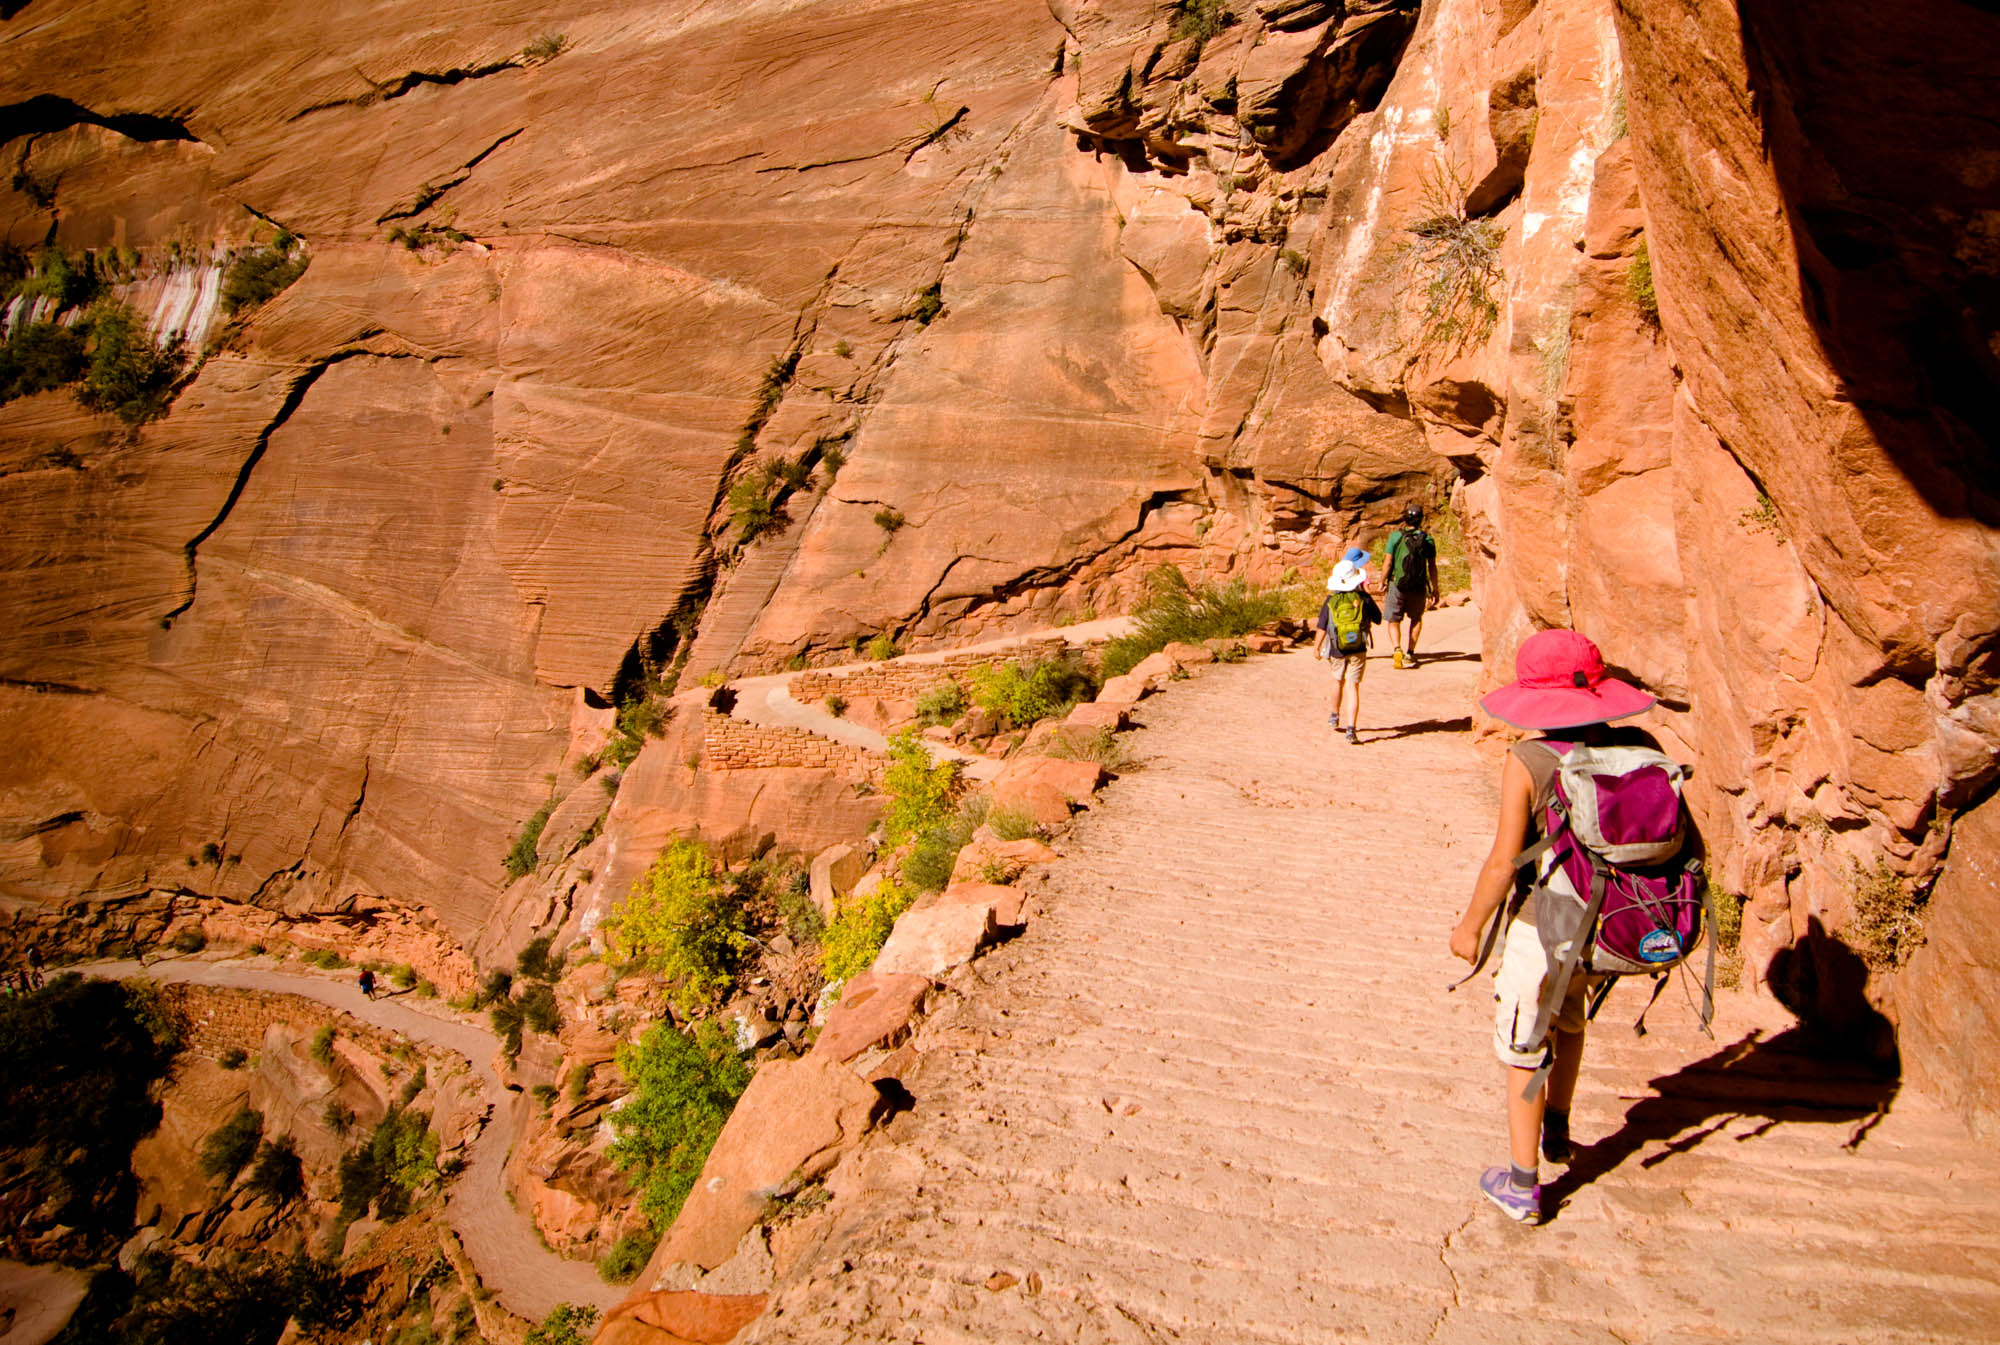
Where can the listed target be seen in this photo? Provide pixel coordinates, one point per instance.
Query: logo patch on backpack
(1661, 945)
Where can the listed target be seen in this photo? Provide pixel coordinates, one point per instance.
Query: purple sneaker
(1521, 1206)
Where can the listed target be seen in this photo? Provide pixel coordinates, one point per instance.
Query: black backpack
(1410, 569)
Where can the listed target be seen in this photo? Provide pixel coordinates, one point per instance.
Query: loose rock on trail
(1217, 1091)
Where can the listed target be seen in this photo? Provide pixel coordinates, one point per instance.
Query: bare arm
(1496, 875)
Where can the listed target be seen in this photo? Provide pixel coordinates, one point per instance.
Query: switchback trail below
(1217, 1092)
(505, 1248)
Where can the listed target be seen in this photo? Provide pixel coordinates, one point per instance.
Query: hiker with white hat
(1346, 625)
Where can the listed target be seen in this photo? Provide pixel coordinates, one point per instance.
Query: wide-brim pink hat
(1559, 683)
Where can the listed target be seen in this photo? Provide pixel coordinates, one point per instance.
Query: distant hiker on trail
(1346, 625)
(35, 966)
(1410, 582)
(367, 979)
(1577, 917)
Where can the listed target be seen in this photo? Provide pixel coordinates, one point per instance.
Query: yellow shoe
(1399, 659)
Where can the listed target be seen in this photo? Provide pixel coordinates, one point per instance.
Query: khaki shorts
(1517, 994)
(1349, 669)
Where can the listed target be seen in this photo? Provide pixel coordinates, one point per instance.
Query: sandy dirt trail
(1217, 1092)
(528, 1278)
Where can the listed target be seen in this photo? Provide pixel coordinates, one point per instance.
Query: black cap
(1414, 514)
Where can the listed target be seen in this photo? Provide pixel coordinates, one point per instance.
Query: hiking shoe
(1333, 720)
(1351, 737)
(1410, 659)
(1398, 659)
(1521, 1206)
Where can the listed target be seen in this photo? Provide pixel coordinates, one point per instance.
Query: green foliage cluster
(859, 928)
(248, 1301)
(921, 791)
(1728, 934)
(78, 1060)
(534, 1007)
(1025, 691)
(882, 647)
(545, 48)
(1887, 924)
(325, 958)
(536, 963)
(232, 1144)
(796, 910)
(54, 274)
(683, 1087)
(1172, 611)
(40, 357)
(256, 278)
(682, 922)
(1639, 284)
(940, 704)
(277, 1175)
(1100, 745)
(128, 376)
(628, 1256)
(928, 304)
(190, 939)
(1293, 260)
(890, 519)
(1454, 261)
(322, 1045)
(233, 1058)
(388, 1169)
(521, 857)
(929, 864)
(1199, 19)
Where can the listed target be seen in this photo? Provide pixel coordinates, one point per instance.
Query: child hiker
(1560, 689)
(1346, 624)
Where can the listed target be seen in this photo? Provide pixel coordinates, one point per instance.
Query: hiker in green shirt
(1410, 570)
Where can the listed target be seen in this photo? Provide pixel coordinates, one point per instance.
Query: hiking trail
(505, 1248)
(1217, 1091)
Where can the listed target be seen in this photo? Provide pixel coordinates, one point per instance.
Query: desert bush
(889, 519)
(233, 1058)
(128, 376)
(396, 1161)
(545, 48)
(232, 1144)
(628, 1256)
(928, 304)
(321, 1048)
(683, 1087)
(39, 357)
(1454, 260)
(1887, 924)
(521, 858)
(538, 1008)
(882, 647)
(859, 928)
(1100, 745)
(836, 705)
(534, 962)
(243, 1300)
(1199, 19)
(70, 283)
(403, 976)
(1023, 692)
(681, 922)
(1171, 611)
(940, 704)
(277, 1174)
(337, 1116)
(190, 939)
(1454, 566)
(1728, 933)
(1639, 284)
(566, 1324)
(753, 503)
(1293, 260)
(920, 790)
(1012, 824)
(258, 277)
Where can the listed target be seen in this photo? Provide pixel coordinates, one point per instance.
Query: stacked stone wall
(729, 744)
(899, 680)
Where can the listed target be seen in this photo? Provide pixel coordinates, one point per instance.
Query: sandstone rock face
(1046, 788)
(680, 1317)
(930, 941)
(875, 1009)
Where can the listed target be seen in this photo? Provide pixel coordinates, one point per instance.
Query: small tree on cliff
(681, 922)
(684, 1085)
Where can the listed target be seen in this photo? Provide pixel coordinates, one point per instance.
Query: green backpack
(1343, 623)
(1408, 550)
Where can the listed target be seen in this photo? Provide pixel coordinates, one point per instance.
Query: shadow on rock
(1838, 1065)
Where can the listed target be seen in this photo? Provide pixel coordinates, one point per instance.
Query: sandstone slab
(793, 1120)
(1099, 715)
(1046, 787)
(1006, 903)
(875, 1008)
(679, 1317)
(931, 942)
(835, 870)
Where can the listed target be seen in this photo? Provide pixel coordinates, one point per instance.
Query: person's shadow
(1838, 1065)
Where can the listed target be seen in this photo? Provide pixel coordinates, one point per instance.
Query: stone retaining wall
(897, 680)
(729, 744)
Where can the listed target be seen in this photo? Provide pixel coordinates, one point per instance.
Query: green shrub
(1100, 745)
(860, 927)
(190, 939)
(1199, 19)
(128, 376)
(70, 283)
(258, 277)
(1887, 924)
(1454, 259)
(683, 1087)
(243, 1300)
(508, 1019)
(1173, 612)
(753, 503)
(521, 858)
(883, 647)
(337, 1116)
(889, 519)
(396, 1161)
(39, 357)
(546, 1094)
(929, 864)
(628, 1256)
(534, 962)
(232, 1144)
(920, 790)
(929, 303)
(277, 1175)
(579, 1083)
(1728, 934)
(681, 922)
(1454, 566)
(322, 1045)
(836, 705)
(545, 48)
(1023, 692)
(941, 704)
(538, 1008)
(233, 1058)
(1012, 824)
(1639, 284)
(566, 1324)
(1293, 260)
(403, 976)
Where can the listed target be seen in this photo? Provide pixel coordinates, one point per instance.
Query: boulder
(931, 942)
(1184, 655)
(1154, 670)
(875, 1009)
(835, 871)
(1265, 644)
(985, 849)
(1099, 715)
(1124, 690)
(1006, 903)
(794, 1120)
(679, 1317)
(1045, 787)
